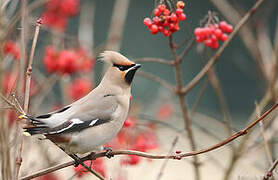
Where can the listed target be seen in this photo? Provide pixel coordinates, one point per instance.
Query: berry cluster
(57, 13)
(212, 33)
(67, 61)
(164, 21)
(79, 88)
(11, 48)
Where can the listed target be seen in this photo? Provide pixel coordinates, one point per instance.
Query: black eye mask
(123, 67)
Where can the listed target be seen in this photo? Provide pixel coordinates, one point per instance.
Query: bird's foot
(108, 152)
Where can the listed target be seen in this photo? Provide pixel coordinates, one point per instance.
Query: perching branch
(151, 156)
(214, 59)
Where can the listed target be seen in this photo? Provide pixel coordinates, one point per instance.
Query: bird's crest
(114, 58)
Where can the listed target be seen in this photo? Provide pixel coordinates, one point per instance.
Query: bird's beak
(137, 66)
(131, 72)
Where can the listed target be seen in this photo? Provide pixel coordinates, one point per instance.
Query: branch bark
(151, 156)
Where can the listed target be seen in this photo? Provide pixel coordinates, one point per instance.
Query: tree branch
(214, 59)
(151, 156)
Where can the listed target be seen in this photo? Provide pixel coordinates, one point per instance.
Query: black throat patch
(129, 76)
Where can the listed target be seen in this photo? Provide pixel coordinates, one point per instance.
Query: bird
(92, 121)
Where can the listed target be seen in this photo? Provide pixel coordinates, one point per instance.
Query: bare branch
(155, 60)
(270, 170)
(156, 79)
(151, 156)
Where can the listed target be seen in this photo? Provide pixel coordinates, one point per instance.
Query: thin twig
(214, 59)
(22, 62)
(156, 79)
(269, 173)
(151, 156)
(265, 140)
(155, 60)
(167, 160)
(29, 68)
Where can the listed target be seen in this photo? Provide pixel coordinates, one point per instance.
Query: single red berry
(157, 12)
(229, 28)
(198, 31)
(206, 31)
(174, 17)
(156, 20)
(180, 4)
(161, 7)
(223, 25)
(179, 11)
(213, 37)
(223, 37)
(166, 32)
(147, 22)
(160, 28)
(208, 42)
(153, 29)
(199, 39)
(182, 17)
(218, 32)
(215, 45)
(171, 26)
(178, 151)
(166, 12)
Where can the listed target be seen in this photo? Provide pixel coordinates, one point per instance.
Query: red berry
(198, 31)
(199, 39)
(154, 29)
(215, 45)
(156, 20)
(171, 26)
(157, 12)
(174, 17)
(224, 37)
(182, 17)
(208, 42)
(223, 25)
(161, 7)
(166, 12)
(160, 28)
(79, 88)
(218, 33)
(213, 37)
(229, 28)
(147, 22)
(178, 151)
(179, 11)
(180, 4)
(206, 31)
(166, 32)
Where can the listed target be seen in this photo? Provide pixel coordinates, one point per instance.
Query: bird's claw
(108, 152)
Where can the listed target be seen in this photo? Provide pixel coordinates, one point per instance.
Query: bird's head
(121, 70)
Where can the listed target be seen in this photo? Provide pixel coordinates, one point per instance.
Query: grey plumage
(95, 119)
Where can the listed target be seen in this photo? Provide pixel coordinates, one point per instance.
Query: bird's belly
(92, 139)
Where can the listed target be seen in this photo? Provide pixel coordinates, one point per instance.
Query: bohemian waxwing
(93, 120)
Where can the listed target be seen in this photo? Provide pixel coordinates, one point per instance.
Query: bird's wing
(70, 126)
(85, 115)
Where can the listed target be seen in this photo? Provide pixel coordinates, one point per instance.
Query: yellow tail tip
(21, 116)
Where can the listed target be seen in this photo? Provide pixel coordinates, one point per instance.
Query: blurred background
(65, 68)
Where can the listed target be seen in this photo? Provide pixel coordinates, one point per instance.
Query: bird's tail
(35, 126)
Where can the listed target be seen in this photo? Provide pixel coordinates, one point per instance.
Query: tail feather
(37, 127)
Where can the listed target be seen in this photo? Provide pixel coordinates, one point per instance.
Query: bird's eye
(123, 67)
